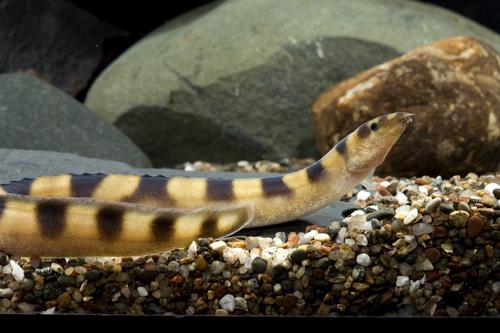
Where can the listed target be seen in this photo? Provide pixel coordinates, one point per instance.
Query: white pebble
(240, 303)
(322, 237)
(192, 249)
(422, 228)
(142, 291)
(491, 187)
(227, 302)
(341, 235)
(402, 281)
(17, 271)
(385, 183)
(6, 292)
(358, 212)
(363, 259)
(401, 212)
(423, 189)
(189, 167)
(363, 195)
(425, 265)
(56, 268)
(361, 240)
(277, 288)
(218, 246)
(350, 241)
(412, 215)
(402, 199)
(310, 235)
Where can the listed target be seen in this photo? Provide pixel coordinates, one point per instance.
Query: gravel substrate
(414, 247)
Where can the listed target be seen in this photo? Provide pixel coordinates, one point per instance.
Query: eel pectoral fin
(368, 181)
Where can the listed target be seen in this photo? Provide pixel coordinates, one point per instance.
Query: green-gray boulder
(235, 79)
(35, 115)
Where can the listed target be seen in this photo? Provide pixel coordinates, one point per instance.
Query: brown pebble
(440, 232)
(386, 297)
(293, 239)
(289, 301)
(315, 227)
(388, 227)
(392, 188)
(383, 191)
(431, 276)
(150, 266)
(474, 226)
(240, 244)
(421, 181)
(35, 261)
(176, 280)
(433, 254)
(489, 251)
(64, 300)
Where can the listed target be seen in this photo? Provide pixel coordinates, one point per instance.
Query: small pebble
(475, 226)
(322, 237)
(363, 195)
(402, 281)
(227, 303)
(363, 259)
(142, 291)
(433, 205)
(459, 218)
(411, 216)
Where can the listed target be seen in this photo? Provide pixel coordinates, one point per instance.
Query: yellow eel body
(121, 214)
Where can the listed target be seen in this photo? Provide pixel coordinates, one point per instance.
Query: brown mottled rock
(453, 87)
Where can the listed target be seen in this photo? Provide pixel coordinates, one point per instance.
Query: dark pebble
(433, 254)
(289, 301)
(298, 256)
(496, 193)
(92, 275)
(259, 265)
(3, 259)
(66, 281)
(51, 291)
(380, 214)
(446, 207)
(376, 224)
(29, 298)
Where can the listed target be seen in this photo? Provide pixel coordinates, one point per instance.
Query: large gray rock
(35, 115)
(235, 79)
(19, 164)
(55, 40)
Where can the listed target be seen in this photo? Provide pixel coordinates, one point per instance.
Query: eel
(117, 214)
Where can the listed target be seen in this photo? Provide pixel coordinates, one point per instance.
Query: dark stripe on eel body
(275, 186)
(219, 189)
(150, 187)
(19, 187)
(110, 222)
(340, 147)
(209, 226)
(162, 227)
(314, 171)
(85, 185)
(51, 218)
(363, 131)
(2, 205)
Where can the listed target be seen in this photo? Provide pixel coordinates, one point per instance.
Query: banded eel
(122, 214)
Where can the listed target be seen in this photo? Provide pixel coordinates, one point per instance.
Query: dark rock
(66, 281)
(298, 256)
(496, 193)
(423, 82)
(37, 116)
(92, 275)
(3, 259)
(380, 214)
(446, 207)
(259, 265)
(56, 41)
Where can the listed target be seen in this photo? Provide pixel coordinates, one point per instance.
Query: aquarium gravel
(413, 247)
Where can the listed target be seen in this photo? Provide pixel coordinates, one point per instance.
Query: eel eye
(374, 126)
